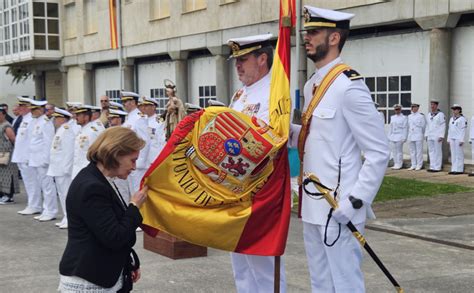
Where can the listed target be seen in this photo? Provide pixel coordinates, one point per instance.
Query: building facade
(408, 50)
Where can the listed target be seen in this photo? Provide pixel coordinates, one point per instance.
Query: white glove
(345, 212)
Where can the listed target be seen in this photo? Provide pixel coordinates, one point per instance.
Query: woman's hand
(139, 197)
(136, 275)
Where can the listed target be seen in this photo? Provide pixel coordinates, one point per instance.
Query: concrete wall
(54, 88)
(9, 91)
(201, 72)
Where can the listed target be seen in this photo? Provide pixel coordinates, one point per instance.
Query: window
(45, 26)
(14, 27)
(70, 18)
(206, 93)
(159, 9)
(114, 95)
(160, 95)
(90, 16)
(192, 5)
(390, 90)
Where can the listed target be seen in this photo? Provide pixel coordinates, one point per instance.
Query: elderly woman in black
(99, 255)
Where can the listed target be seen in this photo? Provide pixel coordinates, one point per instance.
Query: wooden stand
(172, 247)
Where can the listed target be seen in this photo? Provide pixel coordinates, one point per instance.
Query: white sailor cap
(316, 18)
(117, 113)
(434, 101)
(191, 107)
(415, 105)
(242, 46)
(23, 101)
(82, 109)
(376, 104)
(73, 104)
(58, 112)
(397, 106)
(36, 104)
(215, 103)
(149, 101)
(126, 96)
(456, 106)
(115, 105)
(95, 108)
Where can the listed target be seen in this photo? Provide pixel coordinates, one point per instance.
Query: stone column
(128, 75)
(87, 84)
(38, 77)
(222, 79)
(64, 94)
(439, 74)
(180, 78)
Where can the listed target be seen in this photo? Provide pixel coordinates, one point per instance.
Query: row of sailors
(416, 127)
(50, 155)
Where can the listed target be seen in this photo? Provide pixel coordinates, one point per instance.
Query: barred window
(388, 91)
(206, 93)
(160, 95)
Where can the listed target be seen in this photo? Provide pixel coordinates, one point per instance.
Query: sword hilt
(325, 192)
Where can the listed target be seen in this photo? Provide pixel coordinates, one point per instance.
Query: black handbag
(132, 264)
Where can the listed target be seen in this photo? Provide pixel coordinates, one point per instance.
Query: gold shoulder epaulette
(352, 74)
(93, 128)
(46, 118)
(66, 126)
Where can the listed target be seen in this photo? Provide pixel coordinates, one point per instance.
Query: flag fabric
(113, 24)
(223, 180)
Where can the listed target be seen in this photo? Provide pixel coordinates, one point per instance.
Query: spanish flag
(223, 179)
(113, 24)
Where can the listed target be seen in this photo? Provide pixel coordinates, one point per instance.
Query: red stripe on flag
(239, 123)
(266, 230)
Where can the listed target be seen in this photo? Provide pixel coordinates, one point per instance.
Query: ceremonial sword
(333, 203)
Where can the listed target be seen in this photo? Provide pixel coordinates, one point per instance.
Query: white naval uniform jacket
(398, 128)
(344, 124)
(41, 136)
(22, 140)
(435, 126)
(100, 126)
(416, 126)
(253, 100)
(61, 155)
(137, 122)
(457, 128)
(156, 134)
(84, 139)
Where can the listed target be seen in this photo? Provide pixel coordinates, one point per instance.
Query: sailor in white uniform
(416, 133)
(96, 113)
(471, 141)
(253, 60)
(456, 133)
(435, 132)
(398, 135)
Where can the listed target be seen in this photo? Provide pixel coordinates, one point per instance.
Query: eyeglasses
(103, 101)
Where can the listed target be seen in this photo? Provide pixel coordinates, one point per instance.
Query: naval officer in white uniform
(416, 133)
(343, 124)
(253, 61)
(20, 156)
(41, 137)
(156, 130)
(61, 158)
(137, 121)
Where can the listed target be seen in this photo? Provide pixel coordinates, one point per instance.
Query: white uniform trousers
(457, 156)
(62, 186)
(135, 178)
(336, 268)
(435, 153)
(254, 273)
(472, 150)
(32, 186)
(416, 154)
(397, 153)
(50, 202)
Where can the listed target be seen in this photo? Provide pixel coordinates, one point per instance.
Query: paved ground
(441, 261)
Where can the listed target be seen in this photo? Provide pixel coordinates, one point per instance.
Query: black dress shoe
(435, 170)
(429, 170)
(452, 173)
(471, 175)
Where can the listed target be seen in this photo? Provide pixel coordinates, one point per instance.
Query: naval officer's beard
(321, 51)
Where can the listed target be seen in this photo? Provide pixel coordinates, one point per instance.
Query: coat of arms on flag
(221, 174)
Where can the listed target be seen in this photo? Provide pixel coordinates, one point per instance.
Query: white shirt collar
(321, 72)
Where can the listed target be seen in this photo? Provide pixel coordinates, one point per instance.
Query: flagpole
(298, 53)
(119, 39)
(276, 276)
